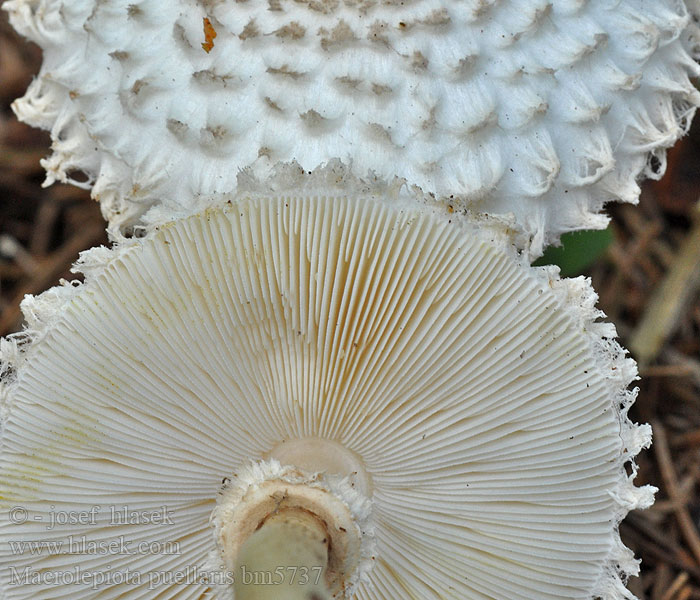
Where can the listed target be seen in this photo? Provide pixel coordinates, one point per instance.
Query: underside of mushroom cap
(544, 109)
(481, 397)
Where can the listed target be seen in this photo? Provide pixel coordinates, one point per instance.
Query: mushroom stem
(286, 558)
(285, 533)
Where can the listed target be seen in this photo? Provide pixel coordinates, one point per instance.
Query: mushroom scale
(543, 109)
(473, 399)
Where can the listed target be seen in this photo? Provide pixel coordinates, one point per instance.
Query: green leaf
(579, 250)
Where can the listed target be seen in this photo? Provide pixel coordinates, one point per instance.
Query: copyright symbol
(18, 515)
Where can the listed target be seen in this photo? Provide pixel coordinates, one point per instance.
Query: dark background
(648, 279)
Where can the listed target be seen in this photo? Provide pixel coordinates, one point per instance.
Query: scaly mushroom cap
(545, 109)
(473, 401)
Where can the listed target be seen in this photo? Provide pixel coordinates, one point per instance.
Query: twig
(661, 580)
(684, 594)
(677, 584)
(682, 360)
(665, 548)
(48, 272)
(668, 300)
(46, 217)
(690, 438)
(11, 248)
(653, 550)
(668, 474)
(667, 371)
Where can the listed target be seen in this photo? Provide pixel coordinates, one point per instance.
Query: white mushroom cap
(544, 109)
(479, 400)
